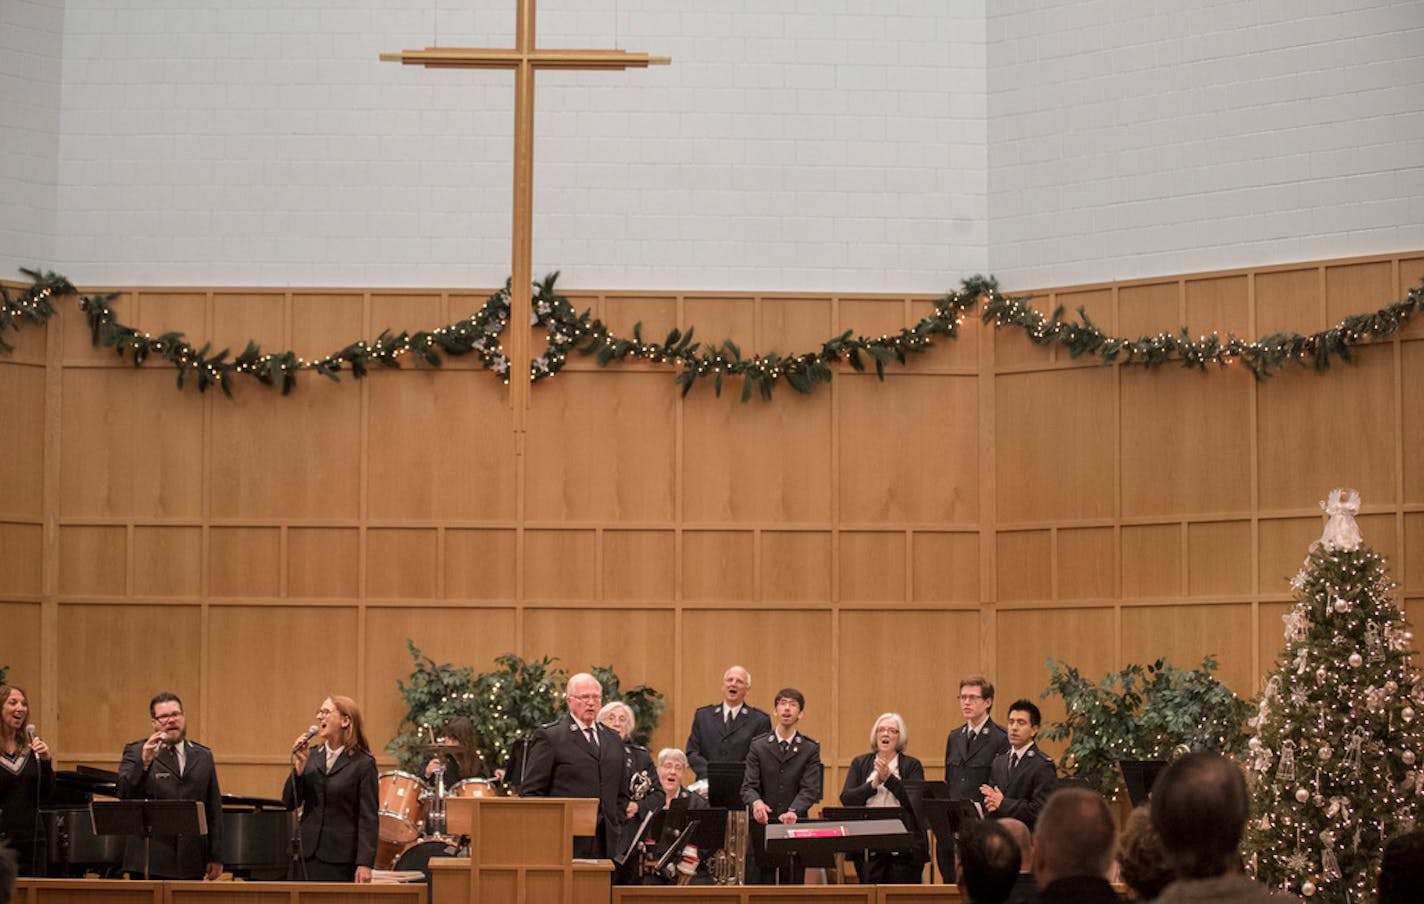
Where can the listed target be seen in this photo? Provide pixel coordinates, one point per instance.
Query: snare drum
(402, 807)
(473, 787)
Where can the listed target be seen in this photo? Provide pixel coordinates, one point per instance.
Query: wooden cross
(524, 58)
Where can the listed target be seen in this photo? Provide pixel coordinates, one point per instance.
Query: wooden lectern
(521, 852)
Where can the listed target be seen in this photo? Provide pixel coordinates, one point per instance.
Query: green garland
(569, 330)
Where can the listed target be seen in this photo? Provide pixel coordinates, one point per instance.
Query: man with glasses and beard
(168, 766)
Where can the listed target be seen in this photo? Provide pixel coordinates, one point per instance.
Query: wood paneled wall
(990, 506)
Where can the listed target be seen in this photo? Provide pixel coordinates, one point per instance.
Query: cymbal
(447, 747)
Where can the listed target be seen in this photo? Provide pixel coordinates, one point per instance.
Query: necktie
(726, 717)
(182, 758)
(1014, 761)
(785, 747)
(592, 738)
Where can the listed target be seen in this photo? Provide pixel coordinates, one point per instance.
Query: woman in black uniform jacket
(877, 779)
(335, 785)
(26, 780)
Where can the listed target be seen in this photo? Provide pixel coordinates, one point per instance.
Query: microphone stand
(39, 792)
(297, 867)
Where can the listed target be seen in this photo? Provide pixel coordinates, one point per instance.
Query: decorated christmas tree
(1335, 762)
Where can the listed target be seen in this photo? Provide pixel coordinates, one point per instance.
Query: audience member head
(1401, 877)
(1199, 809)
(9, 869)
(1144, 864)
(988, 862)
(889, 731)
(1074, 837)
(1023, 838)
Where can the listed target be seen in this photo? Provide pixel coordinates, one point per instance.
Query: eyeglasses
(324, 712)
(586, 698)
(969, 698)
(168, 717)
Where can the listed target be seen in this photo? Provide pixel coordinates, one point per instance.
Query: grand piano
(257, 831)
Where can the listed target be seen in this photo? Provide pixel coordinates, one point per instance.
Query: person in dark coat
(1022, 777)
(1073, 849)
(26, 781)
(988, 862)
(969, 751)
(782, 781)
(577, 756)
(168, 766)
(877, 779)
(337, 788)
(723, 732)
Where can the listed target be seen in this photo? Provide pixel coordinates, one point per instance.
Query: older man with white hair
(577, 756)
(723, 732)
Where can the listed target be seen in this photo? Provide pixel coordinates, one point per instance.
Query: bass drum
(419, 855)
(402, 807)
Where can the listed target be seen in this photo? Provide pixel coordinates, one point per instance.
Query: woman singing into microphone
(335, 784)
(26, 780)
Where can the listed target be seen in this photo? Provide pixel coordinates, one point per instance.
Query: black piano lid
(233, 801)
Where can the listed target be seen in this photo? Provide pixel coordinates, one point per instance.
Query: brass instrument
(729, 865)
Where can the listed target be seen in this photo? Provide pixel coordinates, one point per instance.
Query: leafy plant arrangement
(645, 702)
(1146, 712)
(437, 693)
(4, 670)
(503, 705)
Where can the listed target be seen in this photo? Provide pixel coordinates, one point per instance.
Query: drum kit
(412, 813)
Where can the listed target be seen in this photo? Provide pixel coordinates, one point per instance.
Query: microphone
(33, 731)
(311, 733)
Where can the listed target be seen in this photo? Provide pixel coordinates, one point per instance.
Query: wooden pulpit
(521, 850)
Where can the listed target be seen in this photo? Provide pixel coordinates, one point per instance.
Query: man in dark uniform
(782, 781)
(722, 732)
(969, 751)
(577, 756)
(168, 766)
(1022, 777)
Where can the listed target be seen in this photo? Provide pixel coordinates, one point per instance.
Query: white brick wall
(1129, 138)
(31, 40)
(793, 144)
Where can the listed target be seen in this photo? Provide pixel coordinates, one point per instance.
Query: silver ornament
(1391, 686)
(1307, 888)
(1325, 753)
(1302, 795)
(1341, 606)
(1408, 757)
(1356, 660)
(1407, 714)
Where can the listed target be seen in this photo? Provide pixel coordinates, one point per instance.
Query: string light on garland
(569, 330)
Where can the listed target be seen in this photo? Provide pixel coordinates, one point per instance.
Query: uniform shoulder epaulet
(551, 724)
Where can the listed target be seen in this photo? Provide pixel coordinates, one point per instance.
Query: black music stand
(854, 814)
(724, 785)
(148, 819)
(1140, 776)
(814, 841)
(945, 817)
